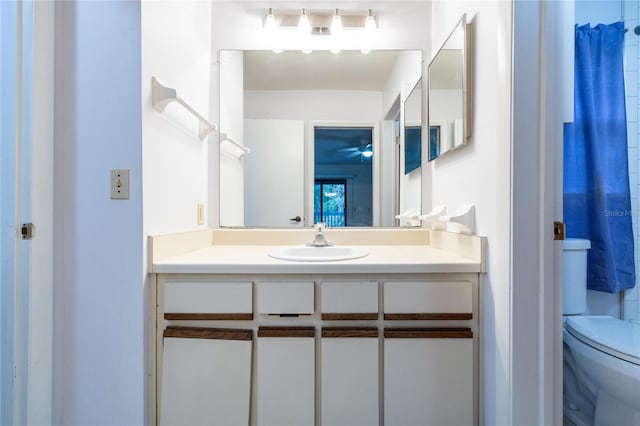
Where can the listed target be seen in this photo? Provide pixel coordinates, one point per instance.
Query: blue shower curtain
(597, 202)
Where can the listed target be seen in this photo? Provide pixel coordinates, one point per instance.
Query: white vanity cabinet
(316, 349)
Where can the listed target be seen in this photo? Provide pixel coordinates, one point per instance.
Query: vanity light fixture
(336, 24)
(370, 23)
(303, 23)
(270, 23)
(320, 22)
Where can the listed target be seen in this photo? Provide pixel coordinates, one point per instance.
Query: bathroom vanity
(243, 338)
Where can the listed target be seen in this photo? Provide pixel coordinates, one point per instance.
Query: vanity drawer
(285, 297)
(208, 300)
(349, 300)
(437, 300)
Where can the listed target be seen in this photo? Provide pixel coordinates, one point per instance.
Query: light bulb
(303, 23)
(370, 23)
(365, 51)
(336, 24)
(270, 23)
(367, 151)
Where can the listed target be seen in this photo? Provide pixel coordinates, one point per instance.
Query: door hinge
(558, 231)
(27, 231)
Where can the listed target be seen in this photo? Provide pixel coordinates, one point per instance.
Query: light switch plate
(120, 184)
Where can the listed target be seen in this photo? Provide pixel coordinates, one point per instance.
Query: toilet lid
(613, 336)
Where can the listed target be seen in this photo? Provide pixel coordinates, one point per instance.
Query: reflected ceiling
(319, 70)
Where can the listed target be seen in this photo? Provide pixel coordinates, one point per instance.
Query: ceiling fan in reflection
(364, 150)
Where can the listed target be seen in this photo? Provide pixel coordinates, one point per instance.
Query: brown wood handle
(174, 316)
(429, 316)
(286, 332)
(334, 316)
(428, 333)
(208, 333)
(349, 332)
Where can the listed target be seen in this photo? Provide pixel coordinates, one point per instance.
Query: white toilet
(601, 354)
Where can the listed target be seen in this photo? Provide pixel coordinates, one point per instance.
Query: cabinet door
(428, 377)
(286, 376)
(349, 377)
(206, 377)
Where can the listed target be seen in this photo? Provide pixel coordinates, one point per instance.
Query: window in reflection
(330, 202)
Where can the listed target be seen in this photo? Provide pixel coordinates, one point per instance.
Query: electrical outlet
(200, 214)
(120, 184)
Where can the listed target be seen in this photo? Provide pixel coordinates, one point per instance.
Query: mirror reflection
(324, 138)
(413, 129)
(448, 121)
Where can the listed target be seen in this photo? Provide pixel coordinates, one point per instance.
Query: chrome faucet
(319, 240)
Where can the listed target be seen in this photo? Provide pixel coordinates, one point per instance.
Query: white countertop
(231, 259)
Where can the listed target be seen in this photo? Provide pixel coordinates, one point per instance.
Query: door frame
(539, 108)
(32, 384)
(310, 172)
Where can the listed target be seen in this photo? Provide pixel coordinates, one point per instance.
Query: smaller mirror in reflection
(448, 117)
(413, 129)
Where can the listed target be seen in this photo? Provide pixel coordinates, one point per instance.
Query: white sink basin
(317, 254)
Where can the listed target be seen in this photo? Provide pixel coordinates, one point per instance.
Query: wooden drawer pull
(445, 316)
(349, 316)
(207, 316)
(428, 333)
(286, 332)
(208, 333)
(349, 332)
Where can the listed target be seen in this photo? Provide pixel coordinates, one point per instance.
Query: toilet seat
(615, 337)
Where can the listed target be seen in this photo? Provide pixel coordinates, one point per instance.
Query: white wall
(99, 326)
(175, 49)
(314, 105)
(596, 12)
(479, 173)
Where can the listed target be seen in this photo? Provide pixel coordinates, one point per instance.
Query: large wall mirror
(450, 93)
(321, 131)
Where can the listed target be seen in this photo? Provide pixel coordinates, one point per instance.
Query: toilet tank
(574, 275)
